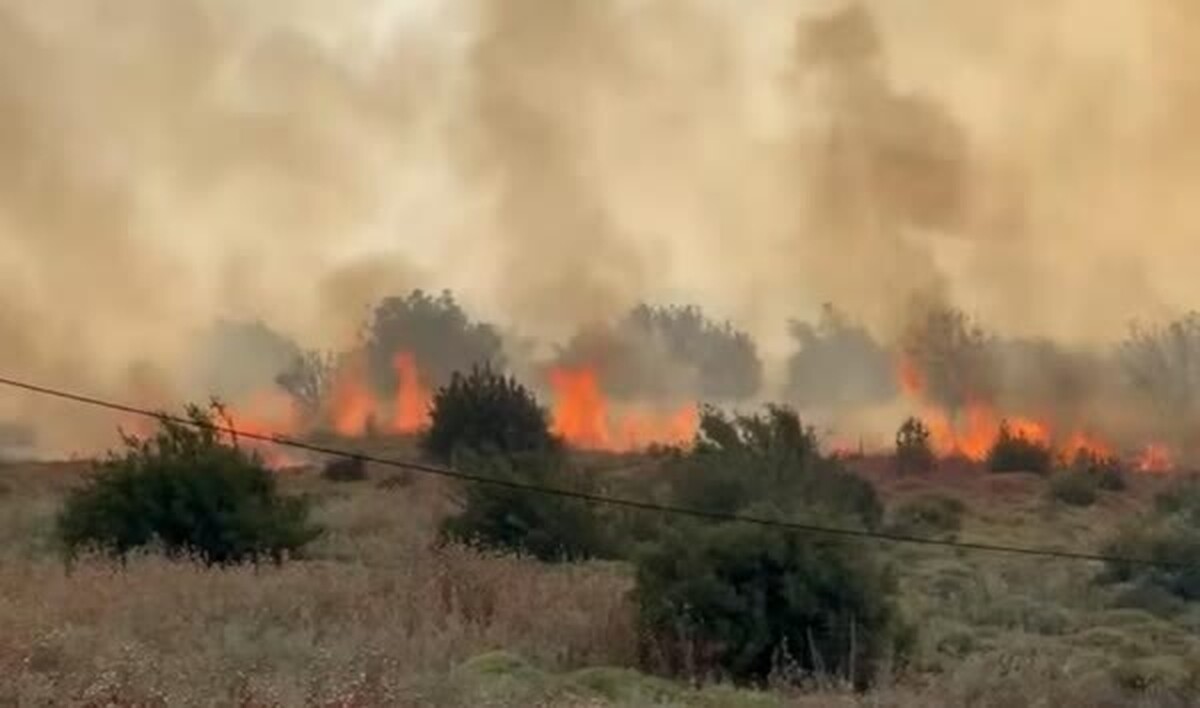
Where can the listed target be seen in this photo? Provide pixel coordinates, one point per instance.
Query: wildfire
(582, 416)
(351, 402)
(1155, 457)
(973, 431)
(412, 398)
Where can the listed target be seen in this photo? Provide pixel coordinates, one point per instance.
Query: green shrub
(345, 469)
(928, 515)
(1075, 488)
(913, 451)
(189, 490)
(743, 460)
(745, 602)
(1014, 452)
(487, 412)
(550, 528)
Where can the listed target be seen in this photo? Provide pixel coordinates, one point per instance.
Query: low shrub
(928, 515)
(189, 490)
(1110, 472)
(913, 450)
(750, 603)
(1016, 452)
(548, 527)
(1075, 488)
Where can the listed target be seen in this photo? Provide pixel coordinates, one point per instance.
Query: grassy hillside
(379, 614)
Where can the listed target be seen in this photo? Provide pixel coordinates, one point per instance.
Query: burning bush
(914, 453)
(837, 364)
(1108, 471)
(487, 412)
(770, 457)
(745, 602)
(547, 527)
(189, 490)
(1016, 452)
(435, 331)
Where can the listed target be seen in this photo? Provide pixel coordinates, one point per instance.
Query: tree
(1162, 364)
(488, 412)
(308, 379)
(952, 355)
(190, 489)
(235, 358)
(913, 451)
(838, 363)
(436, 331)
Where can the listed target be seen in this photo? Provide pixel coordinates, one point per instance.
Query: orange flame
(1155, 457)
(412, 397)
(352, 406)
(582, 416)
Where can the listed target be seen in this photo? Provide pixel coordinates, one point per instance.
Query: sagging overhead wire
(466, 477)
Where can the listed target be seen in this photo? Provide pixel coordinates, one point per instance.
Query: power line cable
(449, 473)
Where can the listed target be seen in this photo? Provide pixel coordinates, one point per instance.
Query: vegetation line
(447, 472)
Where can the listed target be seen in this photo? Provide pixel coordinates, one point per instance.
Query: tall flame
(412, 397)
(583, 417)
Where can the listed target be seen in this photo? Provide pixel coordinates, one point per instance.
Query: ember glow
(584, 417)
(1155, 457)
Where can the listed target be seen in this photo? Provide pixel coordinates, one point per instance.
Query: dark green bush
(742, 460)
(1014, 452)
(913, 450)
(928, 515)
(190, 490)
(1075, 488)
(744, 602)
(550, 528)
(487, 412)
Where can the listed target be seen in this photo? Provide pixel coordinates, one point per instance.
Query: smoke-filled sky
(556, 161)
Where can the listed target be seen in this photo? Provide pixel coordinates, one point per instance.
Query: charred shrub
(545, 526)
(486, 412)
(928, 515)
(741, 460)
(913, 450)
(1016, 452)
(1168, 540)
(746, 602)
(191, 491)
(1108, 472)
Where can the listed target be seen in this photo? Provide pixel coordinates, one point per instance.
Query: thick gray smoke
(555, 162)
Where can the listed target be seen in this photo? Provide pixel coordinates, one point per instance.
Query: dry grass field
(379, 614)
